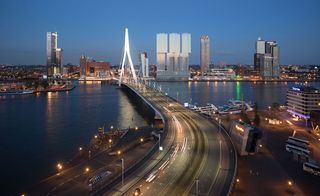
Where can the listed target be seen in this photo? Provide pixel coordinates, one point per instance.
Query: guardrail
(129, 170)
(235, 156)
(234, 149)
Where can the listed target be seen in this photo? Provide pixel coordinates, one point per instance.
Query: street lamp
(80, 148)
(197, 187)
(95, 136)
(59, 166)
(290, 183)
(141, 139)
(119, 152)
(238, 180)
(136, 128)
(220, 154)
(87, 169)
(122, 167)
(160, 147)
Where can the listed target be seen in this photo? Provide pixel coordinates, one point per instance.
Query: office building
(173, 56)
(204, 53)
(302, 100)
(245, 137)
(54, 55)
(266, 59)
(144, 64)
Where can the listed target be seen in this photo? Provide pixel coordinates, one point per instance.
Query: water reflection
(264, 93)
(238, 91)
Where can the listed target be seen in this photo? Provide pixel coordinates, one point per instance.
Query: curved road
(196, 156)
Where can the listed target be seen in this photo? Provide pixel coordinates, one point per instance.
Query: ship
(16, 92)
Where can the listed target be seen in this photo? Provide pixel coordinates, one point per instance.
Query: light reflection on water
(219, 92)
(39, 130)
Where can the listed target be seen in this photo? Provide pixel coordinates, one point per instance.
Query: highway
(193, 159)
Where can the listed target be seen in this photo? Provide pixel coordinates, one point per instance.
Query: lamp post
(220, 154)
(177, 96)
(160, 147)
(197, 187)
(122, 167)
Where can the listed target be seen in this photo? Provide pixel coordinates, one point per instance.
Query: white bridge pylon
(127, 53)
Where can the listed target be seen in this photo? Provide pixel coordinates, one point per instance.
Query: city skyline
(233, 30)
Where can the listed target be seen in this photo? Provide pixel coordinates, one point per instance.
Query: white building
(302, 100)
(260, 46)
(162, 50)
(144, 64)
(173, 61)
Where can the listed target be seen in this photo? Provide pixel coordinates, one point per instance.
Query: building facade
(91, 69)
(54, 55)
(162, 50)
(301, 101)
(144, 64)
(266, 59)
(204, 53)
(173, 56)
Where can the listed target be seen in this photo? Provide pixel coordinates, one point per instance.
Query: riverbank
(101, 156)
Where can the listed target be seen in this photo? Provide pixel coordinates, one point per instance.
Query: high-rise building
(54, 55)
(266, 59)
(162, 50)
(260, 46)
(273, 49)
(204, 53)
(144, 64)
(185, 51)
(173, 61)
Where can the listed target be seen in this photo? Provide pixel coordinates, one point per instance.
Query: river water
(37, 131)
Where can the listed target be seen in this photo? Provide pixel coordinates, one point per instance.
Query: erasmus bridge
(193, 155)
(195, 158)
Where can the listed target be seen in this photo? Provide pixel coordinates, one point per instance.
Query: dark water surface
(218, 93)
(39, 130)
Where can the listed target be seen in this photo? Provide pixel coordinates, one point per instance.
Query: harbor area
(35, 87)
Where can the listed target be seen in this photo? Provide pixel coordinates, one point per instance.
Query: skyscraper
(173, 61)
(266, 59)
(174, 52)
(185, 51)
(54, 55)
(204, 53)
(144, 64)
(162, 50)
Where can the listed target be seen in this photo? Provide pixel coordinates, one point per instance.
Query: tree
(275, 105)
(315, 118)
(44, 84)
(255, 107)
(256, 120)
(244, 117)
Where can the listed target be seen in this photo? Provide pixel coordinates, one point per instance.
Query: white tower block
(127, 53)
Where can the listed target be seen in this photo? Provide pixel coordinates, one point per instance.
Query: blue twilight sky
(96, 27)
